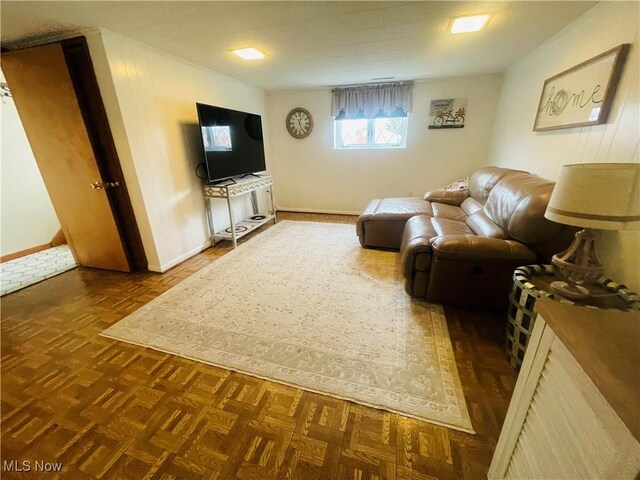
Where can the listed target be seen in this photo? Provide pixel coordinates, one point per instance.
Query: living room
(86, 386)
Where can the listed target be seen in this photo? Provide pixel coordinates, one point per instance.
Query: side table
(533, 282)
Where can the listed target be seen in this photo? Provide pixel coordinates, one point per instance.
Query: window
(371, 133)
(217, 139)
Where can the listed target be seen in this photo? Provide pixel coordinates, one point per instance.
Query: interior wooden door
(46, 102)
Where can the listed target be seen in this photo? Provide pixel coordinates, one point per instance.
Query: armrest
(450, 197)
(471, 248)
(369, 211)
(415, 247)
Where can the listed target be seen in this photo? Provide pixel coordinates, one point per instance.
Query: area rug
(304, 304)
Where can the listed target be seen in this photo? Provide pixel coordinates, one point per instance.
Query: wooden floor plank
(111, 410)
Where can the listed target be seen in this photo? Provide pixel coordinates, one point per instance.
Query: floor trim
(24, 253)
(186, 256)
(317, 210)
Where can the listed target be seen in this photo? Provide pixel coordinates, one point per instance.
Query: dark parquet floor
(104, 409)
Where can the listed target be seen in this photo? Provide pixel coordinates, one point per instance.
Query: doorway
(33, 247)
(58, 100)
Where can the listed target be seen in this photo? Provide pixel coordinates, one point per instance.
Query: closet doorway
(58, 100)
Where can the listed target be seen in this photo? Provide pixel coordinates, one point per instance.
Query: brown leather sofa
(464, 251)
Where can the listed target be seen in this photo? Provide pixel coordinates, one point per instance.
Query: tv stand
(239, 188)
(250, 175)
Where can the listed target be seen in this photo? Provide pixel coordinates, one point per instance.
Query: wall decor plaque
(447, 113)
(581, 95)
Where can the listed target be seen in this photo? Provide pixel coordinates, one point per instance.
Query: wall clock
(299, 122)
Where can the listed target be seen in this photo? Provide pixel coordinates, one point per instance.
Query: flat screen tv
(231, 141)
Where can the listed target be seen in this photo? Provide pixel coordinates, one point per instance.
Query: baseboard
(24, 253)
(317, 210)
(166, 266)
(58, 239)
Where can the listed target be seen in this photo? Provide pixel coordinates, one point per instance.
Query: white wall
(311, 175)
(515, 145)
(28, 218)
(150, 100)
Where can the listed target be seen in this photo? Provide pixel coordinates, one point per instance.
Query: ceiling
(311, 44)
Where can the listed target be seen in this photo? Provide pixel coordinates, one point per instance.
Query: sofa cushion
(444, 226)
(483, 226)
(481, 249)
(471, 206)
(397, 208)
(517, 204)
(482, 181)
(442, 210)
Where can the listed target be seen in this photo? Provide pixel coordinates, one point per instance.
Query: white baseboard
(166, 266)
(317, 210)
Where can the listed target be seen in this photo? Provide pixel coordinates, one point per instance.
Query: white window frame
(371, 128)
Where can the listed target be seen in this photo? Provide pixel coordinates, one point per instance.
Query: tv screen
(232, 142)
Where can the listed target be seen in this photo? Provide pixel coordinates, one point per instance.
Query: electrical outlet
(411, 194)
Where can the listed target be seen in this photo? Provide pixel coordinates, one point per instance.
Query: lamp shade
(597, 195)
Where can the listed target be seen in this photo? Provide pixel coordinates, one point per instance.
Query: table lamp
(603, 196)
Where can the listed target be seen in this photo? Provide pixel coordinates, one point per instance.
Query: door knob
(104, 185)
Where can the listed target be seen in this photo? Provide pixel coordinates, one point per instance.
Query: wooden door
(46, 102)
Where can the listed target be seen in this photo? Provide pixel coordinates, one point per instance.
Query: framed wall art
(583, 94)
(447, 113)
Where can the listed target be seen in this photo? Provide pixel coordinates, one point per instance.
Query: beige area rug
(304, 304)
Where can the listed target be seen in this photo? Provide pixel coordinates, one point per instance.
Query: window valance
(372, 101)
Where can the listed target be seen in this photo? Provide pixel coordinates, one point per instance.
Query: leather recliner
(383, 220)
(464, 251)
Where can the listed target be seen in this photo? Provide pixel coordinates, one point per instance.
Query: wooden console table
(239, 188)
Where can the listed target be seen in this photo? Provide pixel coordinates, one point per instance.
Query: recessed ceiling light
(249, 53)
(469, 24)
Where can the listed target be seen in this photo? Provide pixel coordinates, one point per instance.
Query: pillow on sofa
(453, 194)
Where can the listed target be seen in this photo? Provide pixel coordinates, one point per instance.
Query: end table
(534, 281)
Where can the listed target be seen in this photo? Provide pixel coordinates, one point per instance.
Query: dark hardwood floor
(110, 410)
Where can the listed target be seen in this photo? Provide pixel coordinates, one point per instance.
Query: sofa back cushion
(517, 204)
(482, 181)
(471, 206)
(483, 226)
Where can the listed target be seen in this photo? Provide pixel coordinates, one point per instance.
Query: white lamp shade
(597, 195)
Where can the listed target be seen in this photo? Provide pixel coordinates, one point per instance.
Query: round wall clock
(299, 122)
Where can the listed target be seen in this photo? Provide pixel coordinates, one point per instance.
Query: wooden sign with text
(583, 94)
